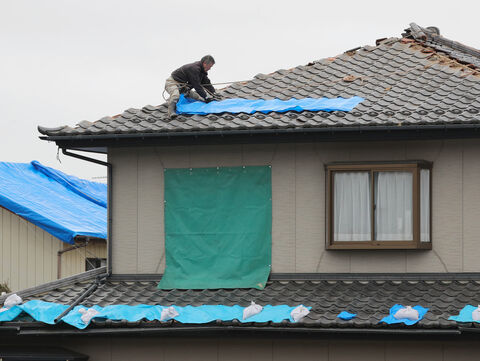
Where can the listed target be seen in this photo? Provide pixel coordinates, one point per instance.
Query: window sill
(380, 246)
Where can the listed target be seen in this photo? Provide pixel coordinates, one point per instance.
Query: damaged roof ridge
(430, 33)
(431, 36)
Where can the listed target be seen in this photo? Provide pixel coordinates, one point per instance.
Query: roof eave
(18, 330)
(357, 133)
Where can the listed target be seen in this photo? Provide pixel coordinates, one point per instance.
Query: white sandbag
(252, 310)
(87, 315)
(476, 314)
(12, 300)
(299, 312)
(407, 312)
(168, 313)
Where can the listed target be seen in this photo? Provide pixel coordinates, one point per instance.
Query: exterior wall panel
(150, 221)
(102, 348)
(125, 211)
(29, 254)
(309, 208)
(471, 206)
(283, 209)
(298, 192)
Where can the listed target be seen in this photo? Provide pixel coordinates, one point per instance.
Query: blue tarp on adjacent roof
(248, 106)
(62, 205)
(93, 191)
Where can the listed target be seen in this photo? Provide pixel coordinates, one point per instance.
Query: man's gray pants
(172, 87)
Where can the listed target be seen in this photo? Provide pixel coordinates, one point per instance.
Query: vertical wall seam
(11, 250)
(137, 202)
(189, 150)
(34, 277)
(463, 206)
(18, 254)
(1, 249)
(405, 254)
(295, 202)
(271, 349)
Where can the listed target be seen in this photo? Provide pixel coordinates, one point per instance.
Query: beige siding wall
(261, 349)
(298, 190)
(28, 254)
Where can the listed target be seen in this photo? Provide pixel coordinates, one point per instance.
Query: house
(53, 225)
(369, 208)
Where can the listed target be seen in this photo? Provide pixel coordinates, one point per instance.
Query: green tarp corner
(218, 227)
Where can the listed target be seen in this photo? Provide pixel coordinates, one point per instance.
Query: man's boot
(172, 113)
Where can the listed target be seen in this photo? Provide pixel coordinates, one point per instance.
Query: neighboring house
(52, 225)
(369, 208)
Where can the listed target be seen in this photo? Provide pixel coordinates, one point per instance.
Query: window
(379, 205)
(92, 263)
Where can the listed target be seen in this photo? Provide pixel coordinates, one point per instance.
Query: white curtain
(424, 205)
(393, 206)
(351, 214)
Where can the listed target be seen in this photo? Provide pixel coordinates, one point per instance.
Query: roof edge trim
(454, 276)
(262, 131)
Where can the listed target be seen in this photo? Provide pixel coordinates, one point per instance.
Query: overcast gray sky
(63, 61)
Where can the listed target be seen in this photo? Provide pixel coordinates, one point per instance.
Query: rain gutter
(243, 330)
(367, 128)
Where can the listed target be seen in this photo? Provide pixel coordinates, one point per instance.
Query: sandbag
(407, 313)
(252, 310)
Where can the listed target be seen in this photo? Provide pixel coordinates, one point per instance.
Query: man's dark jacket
(193, 76)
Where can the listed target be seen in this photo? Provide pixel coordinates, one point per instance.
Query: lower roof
(370, 296)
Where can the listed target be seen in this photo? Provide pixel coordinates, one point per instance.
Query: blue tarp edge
(465, 315)
(40, 221)
(72, 183)
(42, 200)
(249, 106)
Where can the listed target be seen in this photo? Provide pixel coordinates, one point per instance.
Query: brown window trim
(413, 166)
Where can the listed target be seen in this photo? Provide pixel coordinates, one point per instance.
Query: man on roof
(189, 77)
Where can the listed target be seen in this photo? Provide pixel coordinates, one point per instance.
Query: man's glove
(208, 99)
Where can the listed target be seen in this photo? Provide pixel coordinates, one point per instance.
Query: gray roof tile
(420, 71)
(367, 296)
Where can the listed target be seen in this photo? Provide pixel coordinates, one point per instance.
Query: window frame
(97, 261)
(411, 166)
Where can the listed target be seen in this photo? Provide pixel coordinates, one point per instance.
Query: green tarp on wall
(218, 227)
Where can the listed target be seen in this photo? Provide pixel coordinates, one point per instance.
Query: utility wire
(348, 78)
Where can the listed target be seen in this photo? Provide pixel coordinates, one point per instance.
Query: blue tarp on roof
(248, 106)
(47, 312)
(62, 205)
(93, 191)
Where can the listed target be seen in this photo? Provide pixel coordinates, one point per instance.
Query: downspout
(62, 251)
(109, 202)
(84, 295)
